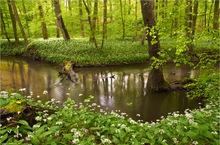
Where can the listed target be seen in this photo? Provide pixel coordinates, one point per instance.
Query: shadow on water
(126, 91)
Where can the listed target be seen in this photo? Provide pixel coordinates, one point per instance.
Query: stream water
(125, 92)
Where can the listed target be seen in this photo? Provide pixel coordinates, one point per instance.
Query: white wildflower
(29, 97)
(164, 140)
(123, 126)
(105, 140)
(57, 133)
(214, 132)
(22, 89)
(73, 130)
(195, 142)
(161, 131)
(138, 115)
(75, 141)
(175, 140)
(188, 115)
(117, 131)
(94, 104)
(59, 122)
(175, 114)
(9, 118)
(36, 126)
(38, 118)
(45, 92)
(77, 134)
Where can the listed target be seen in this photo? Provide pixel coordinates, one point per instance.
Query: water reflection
(126, 91)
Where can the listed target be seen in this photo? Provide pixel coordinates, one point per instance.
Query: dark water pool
(125, 92)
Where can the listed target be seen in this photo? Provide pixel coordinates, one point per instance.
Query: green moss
(15, 106)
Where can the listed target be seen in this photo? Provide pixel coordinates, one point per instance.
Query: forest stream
(118, 88)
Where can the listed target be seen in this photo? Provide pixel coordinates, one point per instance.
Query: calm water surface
(125, 92)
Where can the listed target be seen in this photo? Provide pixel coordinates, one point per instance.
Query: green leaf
(40, 130)
(192, 134)
(35, 140)
(3, 102)
(68, 136)
(23, 122)
(43, 135)
(4, 137)
(115, 140)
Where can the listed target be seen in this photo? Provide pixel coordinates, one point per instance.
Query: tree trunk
(122, 20)
(194, 17)
(104, 34)
(81, 22)
(57, 29)
(189, 26)
(13, 22)
(95, 16)
(205, 12)
(156, 81)
(111, 9)
(209, 16)
(19, 21)
(216, 16)
(136, 22)
(191, 16)
(175, 21)
(92, 36)
(26, 19)
(3, 27)
(43, 23)
(60, 20)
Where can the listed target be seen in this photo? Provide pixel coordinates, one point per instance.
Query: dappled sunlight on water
(114, 88)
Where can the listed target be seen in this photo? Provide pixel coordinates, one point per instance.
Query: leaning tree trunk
(156, 81)
(60, 20)
(14, 26)
(19, 21)
(92, 35)
(3, 28)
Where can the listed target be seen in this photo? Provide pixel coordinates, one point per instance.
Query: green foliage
(79, 124)
(11, 49)
(83, 52)
(13, 104)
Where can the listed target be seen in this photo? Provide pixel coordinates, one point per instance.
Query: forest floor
(83, 52)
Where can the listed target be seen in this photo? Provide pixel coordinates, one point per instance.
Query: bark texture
(156, 81)
(60, 20)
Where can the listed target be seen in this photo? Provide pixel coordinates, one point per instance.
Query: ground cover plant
(116, 52)
(82, 52)
(79, 124)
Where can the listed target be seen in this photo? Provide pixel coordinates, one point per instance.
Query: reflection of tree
(12, 76)
(28, 79)
(49, 84)
(84, 84)
(21, 69)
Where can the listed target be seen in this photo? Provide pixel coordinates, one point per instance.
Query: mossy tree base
(156, 81)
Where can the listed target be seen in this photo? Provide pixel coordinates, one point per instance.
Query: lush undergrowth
(115, 52)
(82, 52)
(79, 124)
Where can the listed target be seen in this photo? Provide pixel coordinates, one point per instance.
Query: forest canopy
(115, 18)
